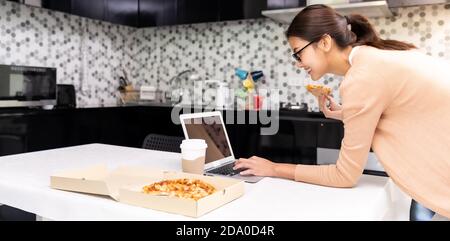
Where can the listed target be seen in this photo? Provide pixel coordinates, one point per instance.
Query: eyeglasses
(296, 55)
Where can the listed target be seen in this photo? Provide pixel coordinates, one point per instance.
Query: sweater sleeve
(364, 97)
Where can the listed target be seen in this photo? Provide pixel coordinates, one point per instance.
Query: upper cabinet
(197, 11)
(149, 13)
(89, 8)
(281, 4)
(157, 13)
(241, 9)
(284, 11)
(58, 5)
(123, 12)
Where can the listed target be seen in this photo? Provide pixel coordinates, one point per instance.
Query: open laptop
(219, 159)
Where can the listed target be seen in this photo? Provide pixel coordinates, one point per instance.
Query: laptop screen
(212, 131)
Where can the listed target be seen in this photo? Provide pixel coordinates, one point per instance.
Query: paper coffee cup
(193, 152)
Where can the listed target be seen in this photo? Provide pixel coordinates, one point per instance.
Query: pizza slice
(317, 89)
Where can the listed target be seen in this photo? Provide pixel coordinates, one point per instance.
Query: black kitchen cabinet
(305, 133)
(241, 9)
(294, 3)
(281, 4)
(157, 12)
(58, 5)
(330, 134)
(171, 12)
(275, 4)
(149, 13)
(295, 142)
(244, 137)
(47, 131)
(124, 12)
(197, 11)
(86, 127)
(13, 135)
(94, 9)
(111, 126)
(299, 134)
(279, 147)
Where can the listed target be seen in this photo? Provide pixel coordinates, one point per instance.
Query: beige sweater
(398, 103)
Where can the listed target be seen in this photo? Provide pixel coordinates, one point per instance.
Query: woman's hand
(333, 111)
(256, 166)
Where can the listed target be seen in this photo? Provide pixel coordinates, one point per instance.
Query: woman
(394, 99)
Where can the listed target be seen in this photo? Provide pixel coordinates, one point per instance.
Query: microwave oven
(22, 86)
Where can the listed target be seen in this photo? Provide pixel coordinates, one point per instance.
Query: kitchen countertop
(285, 114)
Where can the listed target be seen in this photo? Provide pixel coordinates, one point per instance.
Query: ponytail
(366, 35)
(316, 20)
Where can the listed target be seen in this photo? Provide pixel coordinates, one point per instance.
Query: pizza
(317, 89)
(184, 188)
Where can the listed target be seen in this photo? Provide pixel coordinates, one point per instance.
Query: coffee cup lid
(193, 143)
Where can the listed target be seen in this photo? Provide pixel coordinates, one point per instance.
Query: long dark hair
(317, 20)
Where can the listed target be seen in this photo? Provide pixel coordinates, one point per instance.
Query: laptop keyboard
(226, 170)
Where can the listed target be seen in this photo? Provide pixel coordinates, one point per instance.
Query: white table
(25, 179)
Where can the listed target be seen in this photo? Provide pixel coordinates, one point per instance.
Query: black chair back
(162, 143)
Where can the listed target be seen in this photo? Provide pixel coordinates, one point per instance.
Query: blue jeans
(418, 212)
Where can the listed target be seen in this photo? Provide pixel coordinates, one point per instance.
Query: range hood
(368, 9)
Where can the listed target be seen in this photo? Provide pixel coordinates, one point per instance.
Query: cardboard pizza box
(88, 180)
(125, 184)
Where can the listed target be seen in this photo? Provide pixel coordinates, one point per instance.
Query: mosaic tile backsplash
(86, 53)
(91, 54)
